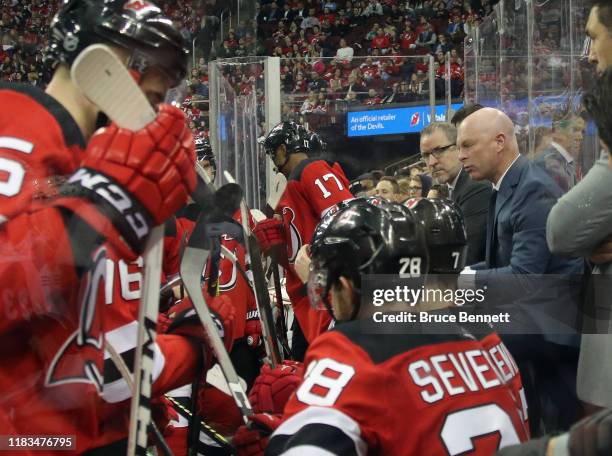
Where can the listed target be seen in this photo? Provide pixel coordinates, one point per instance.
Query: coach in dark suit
(439, 152)
(518, 261)
(522, 197)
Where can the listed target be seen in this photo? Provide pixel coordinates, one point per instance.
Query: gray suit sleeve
(582, 217)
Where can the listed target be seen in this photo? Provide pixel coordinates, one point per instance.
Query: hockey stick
(262, 298)
(279, 183)
(194, 259)
(127, 377)
(107, 83)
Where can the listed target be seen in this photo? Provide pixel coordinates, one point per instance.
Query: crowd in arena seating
(333, 53)
(24, 27)
(366, 52)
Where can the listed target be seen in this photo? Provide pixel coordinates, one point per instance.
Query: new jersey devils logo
(296, 239)
(227, 281)
(79, 359)
(414, 120)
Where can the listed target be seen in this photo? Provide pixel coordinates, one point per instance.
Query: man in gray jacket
(580, 224)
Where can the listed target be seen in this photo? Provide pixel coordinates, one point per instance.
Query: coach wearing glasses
(440, 154)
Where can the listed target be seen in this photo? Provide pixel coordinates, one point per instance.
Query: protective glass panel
(527, 59)
(367, 108)
(238, 114)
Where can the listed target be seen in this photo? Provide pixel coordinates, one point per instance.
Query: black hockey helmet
(364, 236)
(136, 25)
(294, 136)
(445, 234)
(204, 151)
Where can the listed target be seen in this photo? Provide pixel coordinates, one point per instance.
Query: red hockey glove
(163, 412)
(273, 387)
(270, 234)
(185, 321)
(137, 179)
(252, 440)
(163, 323)
(219, 410)
(252, 331)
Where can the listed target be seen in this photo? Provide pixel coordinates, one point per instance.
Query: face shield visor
(319, 289)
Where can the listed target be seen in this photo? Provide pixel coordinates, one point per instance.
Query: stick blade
(108, 84)
(279, 183)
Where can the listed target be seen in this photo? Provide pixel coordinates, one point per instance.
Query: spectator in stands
(455, 29)
(327, 49)
(470, 25)
(443, 45)
(288, 14)
(336, 83)
(330, 5)
(345, 52)
(328, 16)
(374, 8)
(373, 98)
(393, 96)
(273, 14)
(381, 42)
(241, 50)
(387, 188)
(408, 39)
(403, 193)
(342, 26)
(301, 84)
(427, 39)
(419, 186)
(309, 103)
(316, 82)
(323, 102)
(311, 20)
(300, 12)
(355, 84)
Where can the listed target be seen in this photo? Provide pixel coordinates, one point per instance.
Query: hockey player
(44, 133)
(418, 393)
(313, 186)
(53, 266)
(65, 356)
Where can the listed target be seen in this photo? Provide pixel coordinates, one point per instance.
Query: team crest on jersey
(79, 358)
(296, 239)
(226, 281)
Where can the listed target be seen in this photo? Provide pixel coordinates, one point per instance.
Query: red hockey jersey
(39, 141)
(51, 331)
(312, 188)
(422, 394)
(59, 318)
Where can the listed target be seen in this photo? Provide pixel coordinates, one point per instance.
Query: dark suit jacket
(519, 268)
(473, 199)
(516, 232)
